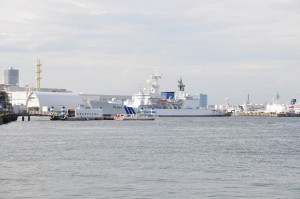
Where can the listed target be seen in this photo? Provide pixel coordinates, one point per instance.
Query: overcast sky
(224, 48)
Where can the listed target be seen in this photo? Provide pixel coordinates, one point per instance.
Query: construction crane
(38, 75)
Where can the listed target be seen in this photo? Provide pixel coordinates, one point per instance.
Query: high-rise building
(203, 100)
(11, 77)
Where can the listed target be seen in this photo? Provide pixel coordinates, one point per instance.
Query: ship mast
(153, 85)
(181, 94)
(181, 85)
(38, 75)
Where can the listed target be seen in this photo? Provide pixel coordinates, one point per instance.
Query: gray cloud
(224, 48)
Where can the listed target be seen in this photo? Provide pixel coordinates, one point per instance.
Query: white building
(43, 101)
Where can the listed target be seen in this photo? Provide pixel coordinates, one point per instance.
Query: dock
(7, 116)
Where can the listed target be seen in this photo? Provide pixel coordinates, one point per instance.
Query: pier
(6, 112)
(7, 116)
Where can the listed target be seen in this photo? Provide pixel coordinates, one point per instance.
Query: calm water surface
(230, 157)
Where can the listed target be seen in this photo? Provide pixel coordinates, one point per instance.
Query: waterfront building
(38, 102)
(11, 77)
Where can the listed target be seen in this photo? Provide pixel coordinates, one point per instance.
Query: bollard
(22, 118)
(28, 117)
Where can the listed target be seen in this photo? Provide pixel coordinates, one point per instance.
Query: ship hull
(188, 113)
(113, 109)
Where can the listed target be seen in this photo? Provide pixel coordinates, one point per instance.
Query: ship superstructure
(169, 104)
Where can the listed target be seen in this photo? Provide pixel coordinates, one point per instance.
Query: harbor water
(224, 157)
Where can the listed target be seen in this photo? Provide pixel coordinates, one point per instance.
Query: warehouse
(44, 101)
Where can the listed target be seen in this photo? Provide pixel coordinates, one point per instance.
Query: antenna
(38, 75)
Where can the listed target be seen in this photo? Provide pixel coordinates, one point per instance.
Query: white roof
(69, 100)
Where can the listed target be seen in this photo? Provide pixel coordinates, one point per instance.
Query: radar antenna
(181, 85)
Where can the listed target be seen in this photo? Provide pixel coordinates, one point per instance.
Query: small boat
(118, 117)
(79, 113)
(138, 117)
(133, 117)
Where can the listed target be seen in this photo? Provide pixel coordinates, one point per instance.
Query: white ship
(169, 104)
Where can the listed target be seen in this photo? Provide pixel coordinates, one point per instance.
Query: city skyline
(220, 48)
